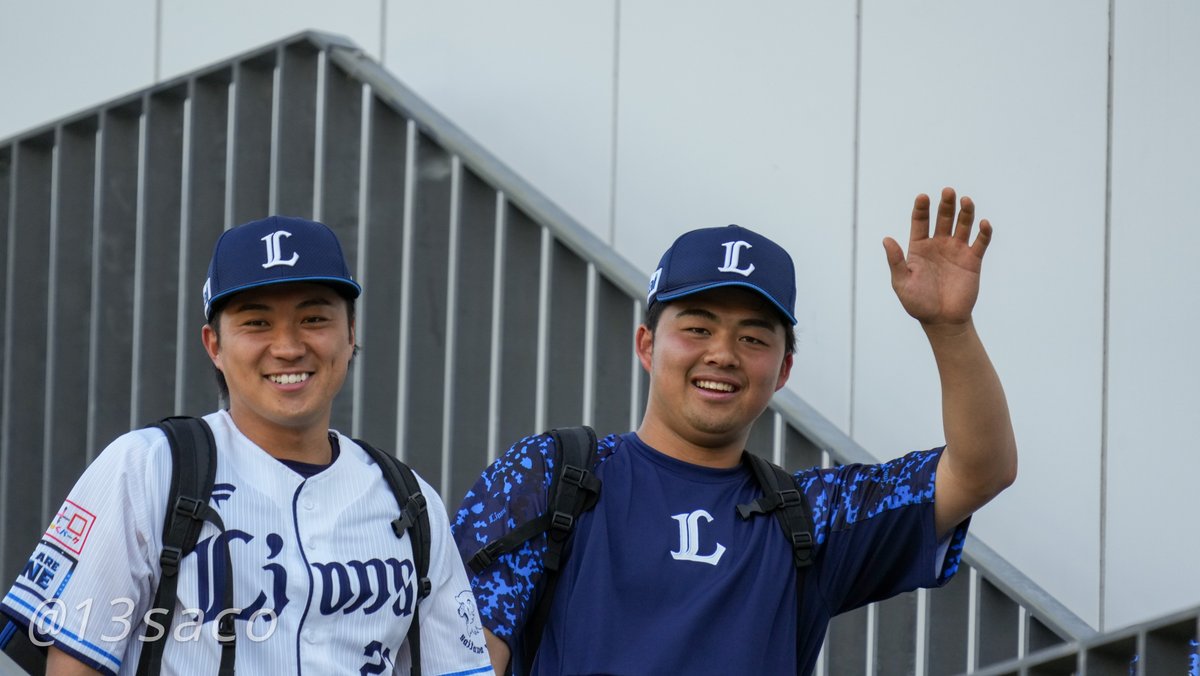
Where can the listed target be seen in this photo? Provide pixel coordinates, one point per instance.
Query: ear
(211, 344)
(785, 370)
(644, 345)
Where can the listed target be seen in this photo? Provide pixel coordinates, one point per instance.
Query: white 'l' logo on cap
(274, 254)
(732, 251)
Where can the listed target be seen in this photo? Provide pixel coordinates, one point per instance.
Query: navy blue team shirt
(664, 577)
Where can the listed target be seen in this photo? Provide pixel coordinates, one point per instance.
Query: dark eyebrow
(696, 312)
(759, 323)
(314, 301)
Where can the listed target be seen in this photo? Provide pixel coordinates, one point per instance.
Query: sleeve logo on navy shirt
(689, 539)
(71, 526)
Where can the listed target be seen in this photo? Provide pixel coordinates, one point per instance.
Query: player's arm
(938, 284)
(498, 652)
(59, 663)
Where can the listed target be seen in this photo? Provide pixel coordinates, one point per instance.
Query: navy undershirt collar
(311, 469)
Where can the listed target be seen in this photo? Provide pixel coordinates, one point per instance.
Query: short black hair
(214, 322)
(654, 313)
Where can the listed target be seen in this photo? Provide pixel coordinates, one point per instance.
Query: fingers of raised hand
(945, 214)
(982, 239)
(920, 219)
(966, 218)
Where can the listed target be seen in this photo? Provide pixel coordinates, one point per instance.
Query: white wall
(817, 125)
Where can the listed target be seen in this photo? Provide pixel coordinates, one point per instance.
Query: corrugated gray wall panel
(949, 616)
(340, 166)
(116, 239)
(762, 435)
(254, 87)
(297, 123)
(158, 259)
(208, 136)
(74, 205)
(997, 635)
(6, 231)
(475, 270)
(846, 644)
(7, 234)
(567, 337)
(798, 451)
(26, 511)
(613, 382)
(378, 362)
(519, 327)
(896, 635)
(425, 370)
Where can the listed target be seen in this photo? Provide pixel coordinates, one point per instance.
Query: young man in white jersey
(668, 572)
(321, 583)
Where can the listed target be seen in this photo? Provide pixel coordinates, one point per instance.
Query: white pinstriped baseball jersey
(323, 584)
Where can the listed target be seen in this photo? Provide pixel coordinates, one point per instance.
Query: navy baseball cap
(730, 256)
(276, 250)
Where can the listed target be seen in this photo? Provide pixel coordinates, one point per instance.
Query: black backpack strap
(781, 496)
(574, 489)
(194, 468)
(414, 520)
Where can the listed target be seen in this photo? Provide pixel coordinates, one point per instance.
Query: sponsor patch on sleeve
(47, 571)
(71, 526)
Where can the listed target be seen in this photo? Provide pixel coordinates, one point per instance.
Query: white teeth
(288, 378)
(714, 385)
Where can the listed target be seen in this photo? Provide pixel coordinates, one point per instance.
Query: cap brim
(697, 288)
(341, 284)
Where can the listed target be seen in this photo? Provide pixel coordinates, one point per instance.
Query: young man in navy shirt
(662, 576)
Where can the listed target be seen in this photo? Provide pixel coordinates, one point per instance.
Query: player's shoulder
(540, 448)
(355, 449)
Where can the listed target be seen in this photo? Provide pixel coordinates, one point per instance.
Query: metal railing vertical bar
(496, 337)
(48, 379)
(139, 251)
(404, 378)
(587, 412)
(542, 334)
(449, 359)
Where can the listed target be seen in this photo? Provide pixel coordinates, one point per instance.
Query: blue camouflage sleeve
(511, 491)
(866, 516)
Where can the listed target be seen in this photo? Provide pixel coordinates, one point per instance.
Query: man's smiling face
(284, 350)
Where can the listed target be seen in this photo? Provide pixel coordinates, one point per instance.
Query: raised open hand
(938, 283)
